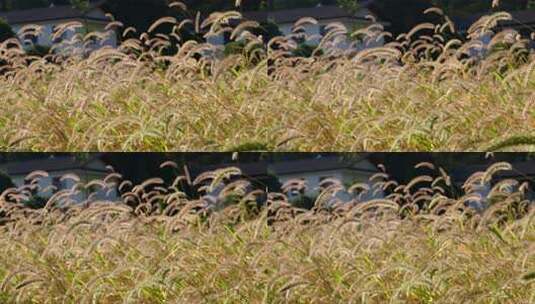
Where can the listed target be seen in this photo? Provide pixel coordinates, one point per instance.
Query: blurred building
(312, 169)
(50, 19)
(523, 172)
(325, 15)
(522, 23)
(86, 169)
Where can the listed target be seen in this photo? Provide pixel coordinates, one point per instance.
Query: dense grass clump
(430, 89)
(420, 243)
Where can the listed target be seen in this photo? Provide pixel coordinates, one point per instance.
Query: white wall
(45, 38)
(314, 32)
(216, 40)
(310, 29)
(312, 179)
(346, 176)
(85, 177)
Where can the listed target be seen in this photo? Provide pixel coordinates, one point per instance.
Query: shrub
(38, 50)
(304, 50)
(36, 202)
(239, 48)
(234, 48)
(269, 30)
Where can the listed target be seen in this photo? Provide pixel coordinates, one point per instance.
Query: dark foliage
(5, 31)
(5, 182)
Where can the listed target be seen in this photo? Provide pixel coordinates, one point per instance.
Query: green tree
(82, 5)
(350, 5)
(5, 30)
(402, 15)
(5, 182)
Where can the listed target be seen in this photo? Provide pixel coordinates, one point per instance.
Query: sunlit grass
(416, 93)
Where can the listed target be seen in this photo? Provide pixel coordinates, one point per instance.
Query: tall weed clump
(430, 89)
(419, 243)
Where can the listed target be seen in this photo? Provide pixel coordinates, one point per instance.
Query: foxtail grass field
(431, 89)
(420, 243)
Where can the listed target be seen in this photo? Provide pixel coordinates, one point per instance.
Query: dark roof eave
(60, 164)
(49, 13)
(354, 18)
(293, 15)
(29, 21)
(522, 18)
(288, 172)
(74, 168)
